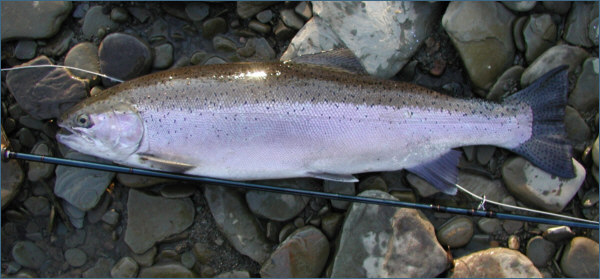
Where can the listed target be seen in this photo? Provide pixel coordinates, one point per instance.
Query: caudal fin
(548, 147)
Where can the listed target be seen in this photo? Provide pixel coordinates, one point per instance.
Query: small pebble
(197, 11)
(111, 217)
(215, 60)
(282, 32)
(540, 251)
(223, 44)
(213, 26)
(259, 27)
(513, 242)
(291, 19)
(264, 16)
(188, 260)
(163, 56)
(119, 14)
(25, 49)
(303, 9)
(299, 222)
(26, 138)
(556, 234)
(331, 223)
(202, 253)
(75, 257)
(372, 183)
(125, 268)
(456, 232)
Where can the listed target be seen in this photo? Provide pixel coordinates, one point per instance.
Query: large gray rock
(580, 258)
(81, 187)
(314, 37)
(576, 27)
(303, 254)
(494, 263)
(399, 28)
(45, 92)
(33, 19)
(539, 188)
(539, 34)
(553, 57)
(382, 241)
(151, 219)
(237, 223)
(280, 207)
(584, 97)
(12, 178)
(481, 32)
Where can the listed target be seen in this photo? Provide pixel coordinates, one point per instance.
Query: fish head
(104, 128)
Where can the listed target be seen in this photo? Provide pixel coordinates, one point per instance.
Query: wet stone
(147, 258)
(163, 56)
(188, 260)
(264, 16)
(559, 7)
(264, 51)
(213, 26)
(540, 34)
(94, 20)
(422, 187)
(576, 128)
(553, 57)
(58, 45)
(166, 270)
(584, 96)
(259, 27)
(519, 6)
(111, 217)
(119, 14)
(556, 234)
(26, 137)
(33, 20)
(38, 206)
(28, 254)
(290, 19)
(346, 188)
(540, 251)
(75, 257)
(202, 253)
(280, 207)
(303, 254)
(372, 183)
(101, 269)
(124, 56)
(282, 32)
(126, 267)
(30, 122)
(38, 171)
(223, 44)
(580, 258)
(512, 226)
(196, 11)
(456, 232)
(146, 225)
(303, 9)
(246, 9)
(506, 84)
(234, 274)
(248, 50)
(214, 60)
(25, 49)
(494, 262)
(331, 223)
(513, 242)
(489, 225)
(85, 56)
(485, 153)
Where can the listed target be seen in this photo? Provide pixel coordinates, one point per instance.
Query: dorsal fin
(341, 59)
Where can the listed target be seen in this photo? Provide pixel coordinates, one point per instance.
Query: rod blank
(6, 154)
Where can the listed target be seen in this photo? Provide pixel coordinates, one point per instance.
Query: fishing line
(6, 154)
(61, 66)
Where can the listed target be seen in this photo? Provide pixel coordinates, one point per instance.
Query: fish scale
(277, 120)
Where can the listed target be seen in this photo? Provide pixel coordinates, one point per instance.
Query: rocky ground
(68, 222)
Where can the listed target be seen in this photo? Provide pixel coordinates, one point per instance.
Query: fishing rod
(6, 154)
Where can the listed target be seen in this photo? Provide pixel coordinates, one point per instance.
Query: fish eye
(83, 120)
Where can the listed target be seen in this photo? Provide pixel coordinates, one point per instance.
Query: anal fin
(442, 172)
(164, 164)
(333, 176)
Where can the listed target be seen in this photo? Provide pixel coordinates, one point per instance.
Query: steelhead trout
(250, 121)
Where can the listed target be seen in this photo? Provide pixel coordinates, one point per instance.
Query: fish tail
(548, 147)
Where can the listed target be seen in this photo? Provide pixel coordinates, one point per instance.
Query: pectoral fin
(441, 172)
(333, 176)
(164, 164)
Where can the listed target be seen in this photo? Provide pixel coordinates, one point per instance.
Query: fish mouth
(71, 137)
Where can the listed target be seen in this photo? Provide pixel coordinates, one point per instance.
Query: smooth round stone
(539, 188)
(234, 274)
(456, 232)
(576, 128)
(188, 260)
(540, 251)
(264, 16)
(580, 258)
(246, 9)
(485, 153)
(38, 171)
(12, 178)
(422, 187)
(202, 253)
(372, 183)
(290, 19)
(147, 258)
(33, 20)
(75, 257)
(512, 226)
(513, 242)
(496, 263)
(94, 20)
(85, 56)
(584, 96)
(198, 57)
(26, 137)
(264, 51)
(213, 26)
(124, 56)
(223, 44)
(111, 217)
(196, 11)
(540, 34)
(282, 32)
(489, 225)
(519, 6)
(345, 188)
(331, 223)
(25, 49)
(119, 14)
(168, 269)
(28, 254)
(576, 25)
(177, 191)
(215, 60)
(553, 57)
(38, 206)
(126, 267)
(163, 56)
(9, 124)
(248, 50)
(259, 27)
(556, 234)
(30, 122)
